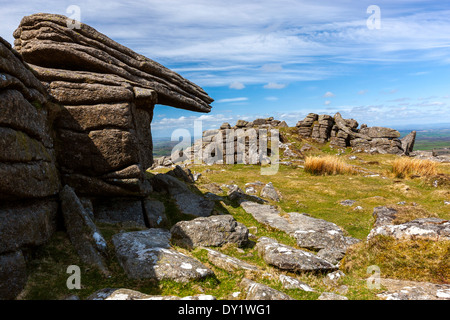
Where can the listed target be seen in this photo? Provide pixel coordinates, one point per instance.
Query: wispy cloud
(240, 99)
(328, 94)
(274, 85)
(237, 85)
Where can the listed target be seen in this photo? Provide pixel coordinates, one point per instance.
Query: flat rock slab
(127, 294)
(288, 258)
(413, 290)
(426, 228)
(228, 263)
(148, 254)
(209, 231)
(259, 291)
(311, 233)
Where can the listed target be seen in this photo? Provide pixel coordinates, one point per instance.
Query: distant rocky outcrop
(344, 133)
(246, 142)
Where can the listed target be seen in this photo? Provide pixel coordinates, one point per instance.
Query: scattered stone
(331, 296)
(288, 258)
(347, 202)
(228, 263)
(446, 203)
(384, 215)
(211, 231)
(259, 291)
(425, 228)
(358, 208)
(413, 290)
(83, 233)
(235, 193)
(269, 192)
(148, 254)
(332, 279)
(292, 283)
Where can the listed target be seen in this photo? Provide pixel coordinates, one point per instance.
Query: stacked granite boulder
(344, 133)
(107, 94)
(246, 142)
(29, 177)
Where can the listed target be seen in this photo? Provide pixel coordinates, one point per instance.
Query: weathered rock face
(107, 94)
(345, 133)
(83, 233)
(29, 177)
(211, 231)
(148, 254)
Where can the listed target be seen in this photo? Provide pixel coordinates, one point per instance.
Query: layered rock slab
(288, 258)
(310, 233)
(148, 254)
(106, 94)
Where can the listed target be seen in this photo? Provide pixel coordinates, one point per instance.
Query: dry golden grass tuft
(328, 165)
(406, 167)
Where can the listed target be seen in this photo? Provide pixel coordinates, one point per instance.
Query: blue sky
(283, 58)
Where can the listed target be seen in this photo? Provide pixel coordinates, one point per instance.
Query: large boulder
(310, 233)
(214, 231)
(148, 254)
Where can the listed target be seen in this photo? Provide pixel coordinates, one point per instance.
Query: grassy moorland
(371, 182)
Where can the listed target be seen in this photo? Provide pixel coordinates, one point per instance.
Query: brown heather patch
(327, 165)
(417, 260)
(406, 167)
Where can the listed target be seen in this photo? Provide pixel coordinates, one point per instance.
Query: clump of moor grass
(327, 165)
(407, 167)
